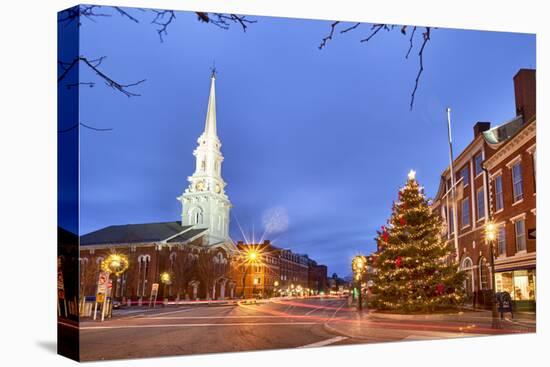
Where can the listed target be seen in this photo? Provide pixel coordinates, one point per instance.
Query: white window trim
(496, 173)
(518, 217)
(532, 149)
(517, 202)
(517, 159)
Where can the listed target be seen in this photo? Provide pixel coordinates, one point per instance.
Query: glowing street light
(115, 264)
(251, 255)
(491, 236)
(166, 278)
(359, 265)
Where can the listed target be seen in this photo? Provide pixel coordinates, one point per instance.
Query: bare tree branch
(223, 20)
(160, 21)
(410, 41)
(375, 29)
(75, 13)
(350, 28)
(85, 126)
(94, 64)
(125, 14)
(90, 84)
(329, 37)
(426, 37)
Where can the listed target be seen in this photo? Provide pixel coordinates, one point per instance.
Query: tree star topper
(412, 174)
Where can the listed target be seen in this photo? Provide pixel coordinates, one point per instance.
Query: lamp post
(165, 279)
(359, 266)
(251, 257)
(491, 235)
(275, 285)
(115, 264)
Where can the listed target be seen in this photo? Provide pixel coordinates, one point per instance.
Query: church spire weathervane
(213, 70)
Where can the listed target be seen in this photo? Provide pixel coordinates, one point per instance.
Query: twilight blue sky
(325, 134)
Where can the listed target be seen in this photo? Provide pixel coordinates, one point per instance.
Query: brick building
(259, 278)
(495, 181)
(277, 271)
(197, 270)
(317, 277)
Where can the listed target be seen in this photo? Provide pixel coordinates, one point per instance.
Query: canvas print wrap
(234, 183)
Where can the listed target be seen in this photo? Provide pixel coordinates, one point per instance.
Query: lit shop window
(521, 284)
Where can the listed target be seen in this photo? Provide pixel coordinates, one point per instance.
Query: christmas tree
(415, 269)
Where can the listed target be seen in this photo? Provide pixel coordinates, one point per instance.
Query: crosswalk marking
(322, 343)
(197, 325)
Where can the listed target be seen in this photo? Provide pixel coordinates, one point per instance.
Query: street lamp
(251, 256)
(115, 264)
(359, 265)
(165, 279)
(491, 235)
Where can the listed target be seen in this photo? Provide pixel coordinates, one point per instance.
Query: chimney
(525, 93)
(480, 127)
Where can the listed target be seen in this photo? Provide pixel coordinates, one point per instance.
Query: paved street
(284, 323)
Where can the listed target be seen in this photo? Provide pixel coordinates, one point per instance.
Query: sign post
(61, 293)
(154, 293)
(102, 281)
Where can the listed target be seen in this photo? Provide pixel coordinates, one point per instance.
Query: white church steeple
(204, 202)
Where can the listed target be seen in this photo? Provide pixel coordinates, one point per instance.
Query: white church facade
(205, 203)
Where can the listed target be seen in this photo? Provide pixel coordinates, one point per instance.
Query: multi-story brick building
(294, 270)
(512, 193)
(276, 271)
(495, 181)
(196, 269)
(317, 277)
(259, 278)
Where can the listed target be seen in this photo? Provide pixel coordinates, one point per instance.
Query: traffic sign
(102, 279)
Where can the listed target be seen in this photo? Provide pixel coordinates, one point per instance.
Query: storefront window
(521, 284)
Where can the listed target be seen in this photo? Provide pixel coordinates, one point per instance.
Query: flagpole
(453, 188)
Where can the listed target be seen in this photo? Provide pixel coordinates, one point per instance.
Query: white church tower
(204, 202)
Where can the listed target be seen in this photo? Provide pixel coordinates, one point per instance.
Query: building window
(451, 220)
(521, 284)
(465, 174)
(517, 182)
(520, 235)
(480, 204)
(483, 276)
(501, 241)
(499, 198)
(465, 212)
(478, 160)
(467, 267)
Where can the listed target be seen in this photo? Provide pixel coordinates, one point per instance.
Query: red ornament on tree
(439, 289)
(402, 221)
(399, 261)
(385, 234)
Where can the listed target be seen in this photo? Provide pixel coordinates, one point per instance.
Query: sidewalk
(375, 326)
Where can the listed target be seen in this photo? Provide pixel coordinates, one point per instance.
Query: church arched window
(196, 216)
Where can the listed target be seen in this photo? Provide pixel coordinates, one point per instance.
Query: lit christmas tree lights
(415, 268)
